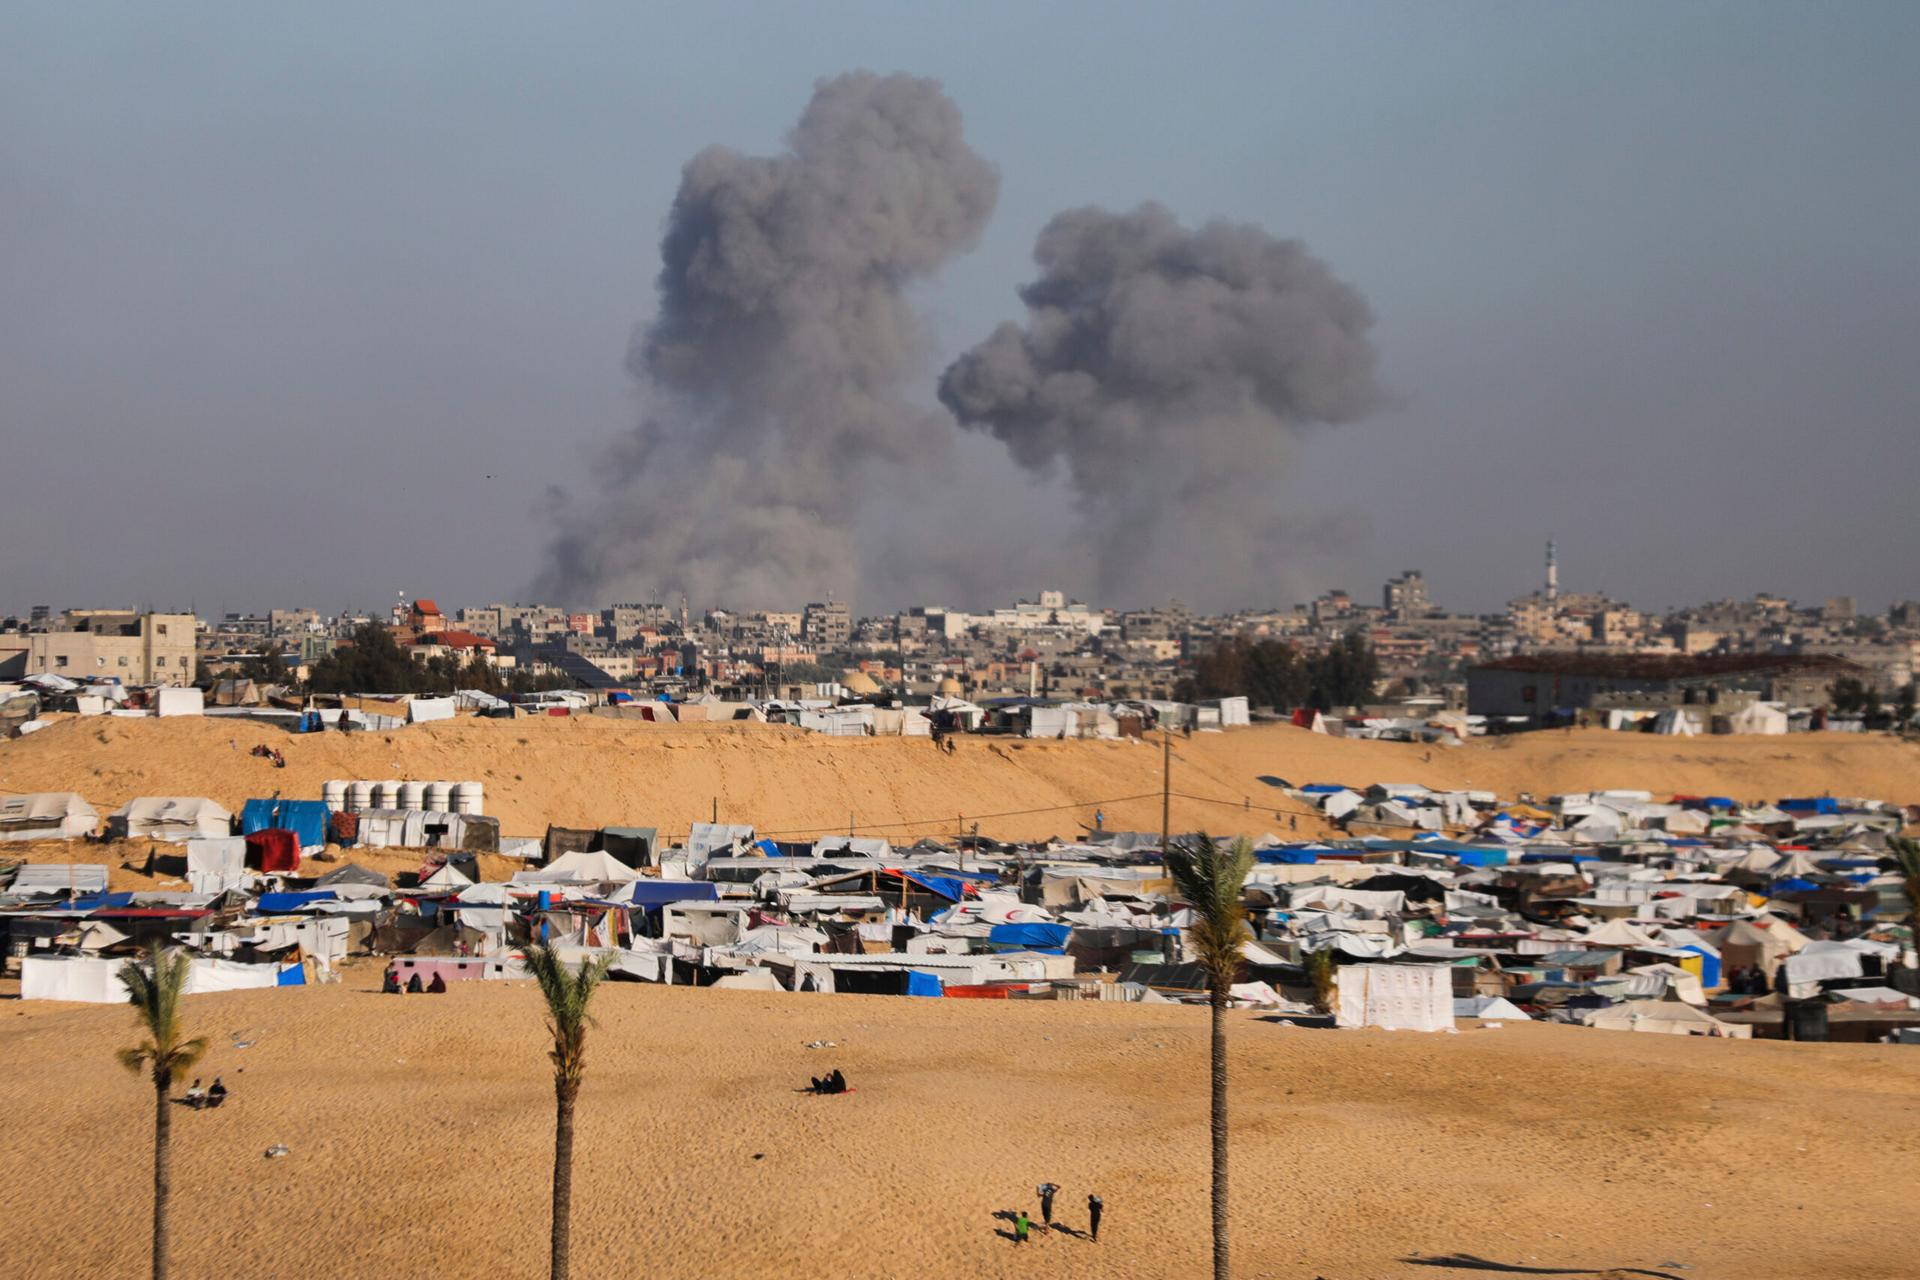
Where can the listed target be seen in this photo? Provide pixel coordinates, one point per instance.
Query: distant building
(99, 644)
(1405, 597)
(1537, 685)
(827, 626)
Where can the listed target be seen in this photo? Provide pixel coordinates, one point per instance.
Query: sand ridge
(592, 771)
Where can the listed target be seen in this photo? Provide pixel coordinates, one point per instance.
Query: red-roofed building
(461, 646)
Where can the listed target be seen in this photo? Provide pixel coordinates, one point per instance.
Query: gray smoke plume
(1170, 371)
(772, 377)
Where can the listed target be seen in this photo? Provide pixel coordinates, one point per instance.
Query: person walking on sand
(1094, 1206)
(1021, 1227)
(1045, 1191)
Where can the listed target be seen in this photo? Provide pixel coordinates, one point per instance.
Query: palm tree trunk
(564, 1094)
(1219, 1007)
(162, 1169)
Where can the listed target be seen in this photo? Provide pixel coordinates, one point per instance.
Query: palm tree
(567, 991)
(1211, 880)
(154, 990)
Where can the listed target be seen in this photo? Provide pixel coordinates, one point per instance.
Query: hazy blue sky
(280, 286)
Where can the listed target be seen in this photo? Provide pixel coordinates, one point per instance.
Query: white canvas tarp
(1395, 997)
(216, 863)
(169, 818)
(49, 878)
(92, 980)
(420, 710)
(179, 702)
(46, 815)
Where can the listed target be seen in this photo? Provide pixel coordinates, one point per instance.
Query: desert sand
(420, 1130)
(588, 771)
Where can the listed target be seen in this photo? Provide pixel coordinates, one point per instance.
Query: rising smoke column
(772, 375)
(1170, 371)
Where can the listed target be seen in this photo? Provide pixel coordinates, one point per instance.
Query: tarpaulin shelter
(1048, 938)
(1395, 997)
(216, 863)
(46, 815)
(169, 818)
(274, 851)
(307, 819)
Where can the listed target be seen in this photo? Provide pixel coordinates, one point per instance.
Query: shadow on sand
(1468, 1262)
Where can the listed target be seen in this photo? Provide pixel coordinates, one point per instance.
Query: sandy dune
(590, 771)
(420, 1130)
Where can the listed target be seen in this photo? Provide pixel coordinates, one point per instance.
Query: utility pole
(1166, 788)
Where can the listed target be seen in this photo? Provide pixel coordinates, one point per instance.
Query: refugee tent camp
(46, 815)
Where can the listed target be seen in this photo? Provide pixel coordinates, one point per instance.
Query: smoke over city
(773, 376)
(1170, 371)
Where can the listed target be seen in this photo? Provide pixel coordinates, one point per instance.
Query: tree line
(1850, 695)
(1272, 673)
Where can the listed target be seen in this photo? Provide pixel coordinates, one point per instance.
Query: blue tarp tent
(275, 903)
(292, 976)
(1481, 857)
(101, 902)
(768, 847)
(653, 893)
(1050, 938)
(1792, 884)
(307, 819)
(923, 984)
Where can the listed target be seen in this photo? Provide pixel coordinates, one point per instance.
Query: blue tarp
(948, 887)
(275, 903)
(307, 819)
(1322, 788)
(102, 902)
(1792, 884)
(653, 893)
(1823, 804)
(1709, 966)
(292, 976)
(1575, 858)
(1481, 857)
(1287, 857)
(1030, 937)
(767, 847)
(923, 984)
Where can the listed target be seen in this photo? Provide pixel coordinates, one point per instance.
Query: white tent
(42, 878)
(46, 815)
(1761, 718)
(93, 980)
(423, 709)
(1675, 722)
(1395, 997)
(1665, 1017)
(216, 863)
(579, 867)
(179, 702)
(169, 818)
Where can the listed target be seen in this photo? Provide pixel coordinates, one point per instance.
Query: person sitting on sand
(438, 986)
(390, 983)
(196, 1094)
(217, 1094)
(836, 1083)
(415, 986)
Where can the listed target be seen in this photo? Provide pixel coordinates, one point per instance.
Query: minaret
(1553, 572)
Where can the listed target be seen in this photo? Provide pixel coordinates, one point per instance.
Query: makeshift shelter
(1759, 718)
(169, 818)
(274, 851)
(216, 864)
(49, 879)
(46, 815)
(1664, 1017)
(1395, 997)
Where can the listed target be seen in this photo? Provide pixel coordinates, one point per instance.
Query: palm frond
(1212, 880)
(154, 989)
(567, 991)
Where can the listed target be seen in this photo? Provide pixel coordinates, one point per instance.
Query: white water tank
(386, 793)
(359, 795)
(413, 795)
(439, 797)
(467, 797)
(333, 794)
